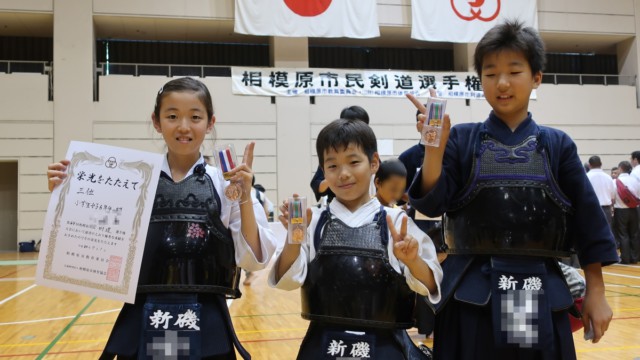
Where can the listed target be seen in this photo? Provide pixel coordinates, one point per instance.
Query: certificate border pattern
(145, 170)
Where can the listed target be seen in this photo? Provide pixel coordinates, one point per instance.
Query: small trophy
(297, 220)
(432, 129)
(226, 161)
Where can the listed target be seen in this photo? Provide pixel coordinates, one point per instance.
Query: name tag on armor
(521, 314)
(171, 331)
(340, 345)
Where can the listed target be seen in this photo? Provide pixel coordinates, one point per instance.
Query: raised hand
(422, 118)
(284, 213)
(243, 173)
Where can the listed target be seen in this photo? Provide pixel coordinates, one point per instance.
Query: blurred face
(391, 190)
(183, 124)
(348, 173)
(507, 82)
(615, 173)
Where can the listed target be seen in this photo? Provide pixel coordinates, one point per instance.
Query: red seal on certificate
(113, 272)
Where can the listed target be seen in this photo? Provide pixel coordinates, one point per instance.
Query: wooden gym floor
(42, 323)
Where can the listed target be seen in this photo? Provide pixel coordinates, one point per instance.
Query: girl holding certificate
(204, 227)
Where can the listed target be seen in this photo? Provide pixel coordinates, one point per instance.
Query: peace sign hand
(405, 247)
(243, 172)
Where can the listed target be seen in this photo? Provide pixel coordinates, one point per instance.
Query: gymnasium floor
(42, 323)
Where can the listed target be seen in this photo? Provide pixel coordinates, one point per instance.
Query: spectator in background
(390, 181)
(603, 185)
(261, 194)
(614, 172)
(635, 160)
(625, 218)
(258, 191)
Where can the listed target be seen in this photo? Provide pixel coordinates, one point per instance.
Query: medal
(432, 129)
(227, 161)
(297, 220)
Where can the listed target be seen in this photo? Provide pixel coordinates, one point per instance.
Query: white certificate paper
(96, 224)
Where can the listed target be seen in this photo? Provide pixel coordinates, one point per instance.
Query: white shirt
(603, 185)
(230, 216)
(635, 173)
(297, 273)
(632, 184)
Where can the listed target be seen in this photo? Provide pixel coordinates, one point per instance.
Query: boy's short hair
(625, 167)
(511, 35)
(338, 134)
(355, 112)
(390, 168)
(636, 155)
(595, 161)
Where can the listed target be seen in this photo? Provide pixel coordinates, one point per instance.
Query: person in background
(603, 186)
(258, 192)
(635, 161)
(261, 194)
(614, 172)
(625, 216)
(390, 181)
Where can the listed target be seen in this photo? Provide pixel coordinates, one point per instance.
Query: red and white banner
(307, 18)
(464, 21)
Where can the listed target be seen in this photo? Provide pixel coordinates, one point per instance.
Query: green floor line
(18, 262)
(95, 323)
(64, 331)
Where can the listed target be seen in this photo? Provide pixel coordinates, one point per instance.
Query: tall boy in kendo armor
(362, 263)
(515, 198)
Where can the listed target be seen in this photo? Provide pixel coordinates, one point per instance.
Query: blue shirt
(592, 237)
(315, 186)
(412, 159)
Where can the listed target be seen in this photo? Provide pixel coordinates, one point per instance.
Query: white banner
(465, 21)
(371, 83)
(307, 18)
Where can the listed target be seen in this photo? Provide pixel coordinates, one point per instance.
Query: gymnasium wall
(26, 136)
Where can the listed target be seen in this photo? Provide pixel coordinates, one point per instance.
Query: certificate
(96, 224)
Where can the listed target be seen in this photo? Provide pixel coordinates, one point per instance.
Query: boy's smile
(507, 82)
(348, 172)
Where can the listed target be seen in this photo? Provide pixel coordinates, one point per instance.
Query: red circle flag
(308, 7)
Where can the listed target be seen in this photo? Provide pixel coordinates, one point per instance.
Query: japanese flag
(465, 21)
(307, 18)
